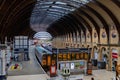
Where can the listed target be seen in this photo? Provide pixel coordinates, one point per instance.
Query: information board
(72, 65)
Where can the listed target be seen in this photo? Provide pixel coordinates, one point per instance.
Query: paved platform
(29, 77)
(31, 67)
(31, 70)
(97, 75)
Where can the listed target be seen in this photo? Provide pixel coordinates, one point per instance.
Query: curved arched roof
(58, 17)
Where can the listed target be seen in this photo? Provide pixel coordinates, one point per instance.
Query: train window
(60, 56)
(65, 56)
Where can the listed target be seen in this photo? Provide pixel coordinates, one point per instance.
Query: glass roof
(42, 35)
(54, 9)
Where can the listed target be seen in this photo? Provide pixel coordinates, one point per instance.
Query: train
(48, 58)
(45, 57)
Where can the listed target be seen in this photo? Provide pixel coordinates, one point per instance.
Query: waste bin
(94, 62)
(101, 65)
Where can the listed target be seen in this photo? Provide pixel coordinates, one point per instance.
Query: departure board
(64, 56)
(60, 55)
(77, 56)
(69, 56)
(85, 56)
(73, 56)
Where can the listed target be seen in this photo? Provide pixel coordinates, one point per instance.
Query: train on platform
(49, 58)
(45, 57)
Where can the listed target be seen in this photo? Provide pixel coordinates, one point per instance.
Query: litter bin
(94, 62)
(102, 65)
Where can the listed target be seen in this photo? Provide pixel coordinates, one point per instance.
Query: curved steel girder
(6, 12)
(27, 32)
(57, 28)
(23, 14)
(65, 27)
(72, 24)
(52, 31)
(64, 22)
(92, 20)
(3, 20)
(13, 18)
(97, 14)
(78, 27)
(82, 20)
(112, 16)
(117, 2)
(73, 20)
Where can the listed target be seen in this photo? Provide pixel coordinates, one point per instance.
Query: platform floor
(31, 67)
(31, 70)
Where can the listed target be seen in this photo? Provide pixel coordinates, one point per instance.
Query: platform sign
(67, 65)
(72, 65)
(64, 56)
(52, 71)
(69, 56)
(60, 56)
(62, 65)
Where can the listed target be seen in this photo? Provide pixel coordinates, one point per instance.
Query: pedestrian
(92, 78)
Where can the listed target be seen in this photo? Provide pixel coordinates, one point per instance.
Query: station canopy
(48, 11)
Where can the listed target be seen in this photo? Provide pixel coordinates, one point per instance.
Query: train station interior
(59, 39)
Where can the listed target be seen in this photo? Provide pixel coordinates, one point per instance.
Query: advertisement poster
(77, 65)
(72, 65)
(82, 64)
(67, 65)
(62, 66)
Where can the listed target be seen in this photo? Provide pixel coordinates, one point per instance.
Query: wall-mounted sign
(95, 35)
(72, 65)
(103, 35)
(114, 34)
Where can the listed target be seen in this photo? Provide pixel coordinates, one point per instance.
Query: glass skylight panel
(57, 7)
(45, 3)
(54, 13)
(56, 10)
(44, 6)
(61, 3)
